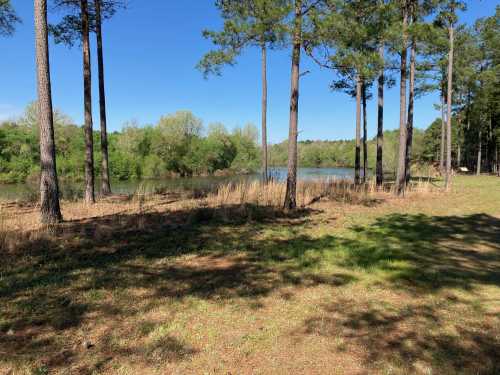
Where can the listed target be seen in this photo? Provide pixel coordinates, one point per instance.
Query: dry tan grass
(19, 218)
(308, 192)
(19, 222)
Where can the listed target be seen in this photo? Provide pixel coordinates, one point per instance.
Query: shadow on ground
(44, 280)
(429, 253)
(443, 321)
(51, 283)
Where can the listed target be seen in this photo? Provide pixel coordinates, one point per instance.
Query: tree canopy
(8, 18)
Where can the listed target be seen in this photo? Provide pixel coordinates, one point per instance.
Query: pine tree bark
(460, 136)
(87, 99)
(401, 175)
(365, 131)
(497, 158)
(447, 182)
(479, 156)
(50, 212)
(380, 122)
(357, 156)
(265, 174)
(467, 152)
(291, 181)
(443, 133)
(105, 180)
(489, 158)
(411, 103)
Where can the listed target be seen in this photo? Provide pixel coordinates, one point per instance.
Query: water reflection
(73, 190)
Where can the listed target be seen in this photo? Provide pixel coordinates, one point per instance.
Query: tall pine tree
(247, 23)
(82, 18)
(50, 211)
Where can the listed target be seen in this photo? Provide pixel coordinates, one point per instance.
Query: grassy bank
(352, 283)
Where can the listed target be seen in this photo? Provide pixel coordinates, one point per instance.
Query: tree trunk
(486, 156)
(467, 151)
(265, 174)
(400, 175)
(411, 101)
(291, 181)
(489, 158)
(479, 157)
(380, 122)
(460, 136)
(447, 183)
(105, 180)
(443, 133)
(50, 211)
(365, 131)
(357, 157)
(497, 159)
(87, 98)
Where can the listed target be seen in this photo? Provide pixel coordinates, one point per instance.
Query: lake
(73, 190)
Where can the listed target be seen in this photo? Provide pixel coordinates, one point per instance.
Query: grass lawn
(386, 286)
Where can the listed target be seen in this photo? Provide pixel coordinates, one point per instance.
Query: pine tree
(105, 180)
(442, 94)
(430, 73)
(418, 28)
(401, 170)
(447, 16)
(449, 97)
(379, 169)
(413, 10)
(82, 18)
(49, 188)
(347, 40)
(247, 23)
(297, 34)
(386, 19)
(364, 97)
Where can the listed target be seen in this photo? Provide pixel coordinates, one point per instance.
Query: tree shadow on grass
(429, 328)
(413, 338)
(51, 285)
(429, 252)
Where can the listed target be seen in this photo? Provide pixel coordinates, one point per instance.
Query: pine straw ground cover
(372, 285)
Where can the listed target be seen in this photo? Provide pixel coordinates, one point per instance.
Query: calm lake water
(72, 190)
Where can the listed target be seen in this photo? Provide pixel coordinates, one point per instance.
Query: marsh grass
(308, 192)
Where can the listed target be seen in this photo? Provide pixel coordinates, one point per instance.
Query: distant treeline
(425, 150)
(340, 153)
(178, 145)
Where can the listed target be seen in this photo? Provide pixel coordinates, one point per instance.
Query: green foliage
(175, 146)
(8, 18)
(447, 11)
(477, 93)
(172, 140)
(246, 23)
(69, 29)
(247, 153)
(476, 75)
(316, 154)
(432, 140)
(346, 36)
(178, 145)
(19, 154)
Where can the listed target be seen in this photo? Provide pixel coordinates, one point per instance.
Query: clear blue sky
(151, 50)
